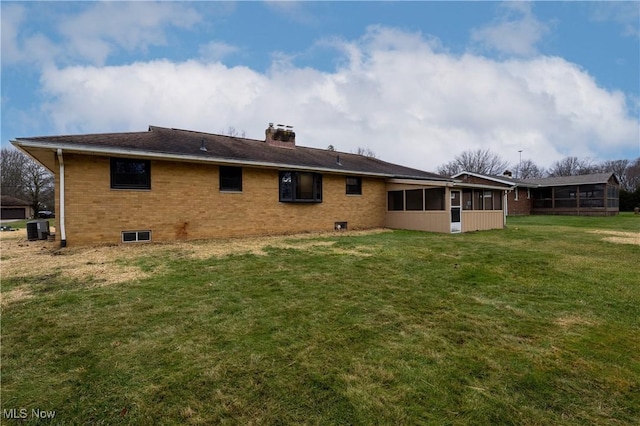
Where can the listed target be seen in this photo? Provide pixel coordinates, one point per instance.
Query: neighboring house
(168, 184)
(14, 208)
(593, 195)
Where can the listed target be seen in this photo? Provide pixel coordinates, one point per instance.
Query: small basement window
(136, 236)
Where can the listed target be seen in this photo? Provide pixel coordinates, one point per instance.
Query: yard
(534, 324)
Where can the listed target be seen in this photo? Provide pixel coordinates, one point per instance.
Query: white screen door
(456, 211)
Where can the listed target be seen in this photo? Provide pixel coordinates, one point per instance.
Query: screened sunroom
(596, 195)
(443, 206)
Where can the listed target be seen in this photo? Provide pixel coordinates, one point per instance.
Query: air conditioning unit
(37, 230)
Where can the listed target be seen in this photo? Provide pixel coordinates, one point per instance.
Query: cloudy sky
(416, 82)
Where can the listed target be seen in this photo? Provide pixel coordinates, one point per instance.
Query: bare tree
(568, 166)
(26, 179)
(573, 166)
(481, 161)
(632, 176)
(13, 164)
(40, 186)
(233, 132)
(589, 166)
(527, 169)
(619, 167)
(367, 152)
(449, 169)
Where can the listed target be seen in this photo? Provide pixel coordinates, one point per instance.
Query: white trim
(512, 184)
(481, 176)
(63, 231)
(425, 182)
(505, 207)
(455, 227)
(477, 186)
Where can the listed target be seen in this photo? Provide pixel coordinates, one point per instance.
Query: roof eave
(420, 181)
(510, 183)
(21, 144)
(482, 186)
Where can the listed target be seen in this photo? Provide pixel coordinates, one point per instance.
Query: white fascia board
(75, 149)
(505, 182)
(423, 182)
(482, 186)
(495, 179)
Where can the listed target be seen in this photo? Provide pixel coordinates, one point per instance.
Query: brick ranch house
(584, 195)
(169, 184)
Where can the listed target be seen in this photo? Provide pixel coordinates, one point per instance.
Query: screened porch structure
(589, 195)
(444, 206)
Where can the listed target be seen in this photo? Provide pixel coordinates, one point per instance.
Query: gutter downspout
(63, 233)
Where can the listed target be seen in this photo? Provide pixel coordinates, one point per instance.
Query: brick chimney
(281, 136)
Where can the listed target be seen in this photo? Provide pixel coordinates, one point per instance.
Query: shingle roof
(505, 180)
(593, 178)
(178, 143)
(572, 180)
(7, 201)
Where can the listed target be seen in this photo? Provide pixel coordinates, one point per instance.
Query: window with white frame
(136, 236)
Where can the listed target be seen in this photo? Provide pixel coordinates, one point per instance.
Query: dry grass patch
(103, 265)
(23, 258)
(15, 295)
(619, 237)
(568, 321)
(204, 249)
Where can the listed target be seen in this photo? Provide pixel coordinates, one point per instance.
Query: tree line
(25, 179)
(485, 162)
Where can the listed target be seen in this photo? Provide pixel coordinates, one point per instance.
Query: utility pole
(519, 166)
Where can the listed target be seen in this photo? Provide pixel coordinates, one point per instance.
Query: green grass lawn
(536, 324)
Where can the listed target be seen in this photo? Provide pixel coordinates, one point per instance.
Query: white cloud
(395, 94)
(515, 32)
(12, 16)
(216, 50)
(95, 33)
(292, 10)
(131, 26)
(17, 47)
(624, 13)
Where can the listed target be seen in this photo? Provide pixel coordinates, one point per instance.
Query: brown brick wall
(477, 180)
(520, 207)
(185, 203)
